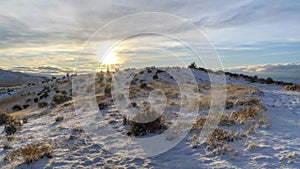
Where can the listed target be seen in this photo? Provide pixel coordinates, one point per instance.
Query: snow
(272, 145)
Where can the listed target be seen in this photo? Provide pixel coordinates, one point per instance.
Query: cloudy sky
(48, 36)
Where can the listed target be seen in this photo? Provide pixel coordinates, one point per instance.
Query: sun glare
(110, 58)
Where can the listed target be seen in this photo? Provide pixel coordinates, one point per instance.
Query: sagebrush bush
(42, 104)
(248, 114)
(5, 118)
(143, 85)
(219, 137)
(10, 129)
(60, 98)
(102, 105)
(59, 119)
(199, 123)
(17, 107)
(247, 101)
(64, 92)
(133, 104)
(107, 90)
(30, 153)
(225, 120)
(140, 126)
(25, 106)
(13, 126)
(295, 87)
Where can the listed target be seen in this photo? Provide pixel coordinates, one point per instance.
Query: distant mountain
(9, 78)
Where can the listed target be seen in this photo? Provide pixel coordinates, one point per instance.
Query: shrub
(25, 120)
(7, 146)
(155, 77)
(102, 105)
(64, 92)
(36, 100)
(248, 113)
(10, 129)
(199, 123)
(225, 120)
(247, 101)
(133, 104)
(59, 119)
(42, 104)
(45, 95)
(60, 98)
(219, 137)
(30, 153)
(269, 80)
(17, 107)
(192, 65)
(139, 128)
(293, 87)
(5, 118)
(26, 106)
(28, 100)
(143, 85)
(107, 89)
(229, 104)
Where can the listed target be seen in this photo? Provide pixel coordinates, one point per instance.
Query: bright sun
(110, 58)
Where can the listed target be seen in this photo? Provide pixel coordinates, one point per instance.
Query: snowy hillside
(10, 78)
(259, 127)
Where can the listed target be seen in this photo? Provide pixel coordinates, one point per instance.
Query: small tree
(192, 65)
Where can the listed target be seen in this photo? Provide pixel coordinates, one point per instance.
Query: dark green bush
(60, 98)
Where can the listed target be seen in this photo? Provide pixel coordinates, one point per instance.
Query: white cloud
(30, 24)
(285, 72)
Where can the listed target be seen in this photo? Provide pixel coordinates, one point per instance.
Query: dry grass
(30, 153)
(237, 91)
(250, 113)
(245, 109)
(198, 125)
(218, 139)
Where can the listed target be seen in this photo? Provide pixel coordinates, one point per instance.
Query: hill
(259, 127)
(10, 78)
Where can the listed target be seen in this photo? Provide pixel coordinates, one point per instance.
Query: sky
(48, 36)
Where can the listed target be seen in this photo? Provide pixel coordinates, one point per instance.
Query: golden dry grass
(29, 153)
(242, 108)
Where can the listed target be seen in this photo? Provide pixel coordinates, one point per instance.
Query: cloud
(46, 69)
(249, 12)
(285, 72)
(60, 28)
(76, 21)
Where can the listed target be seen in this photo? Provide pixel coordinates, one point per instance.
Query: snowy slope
(275, 144)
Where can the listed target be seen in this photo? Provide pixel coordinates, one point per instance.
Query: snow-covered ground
(273, 144)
